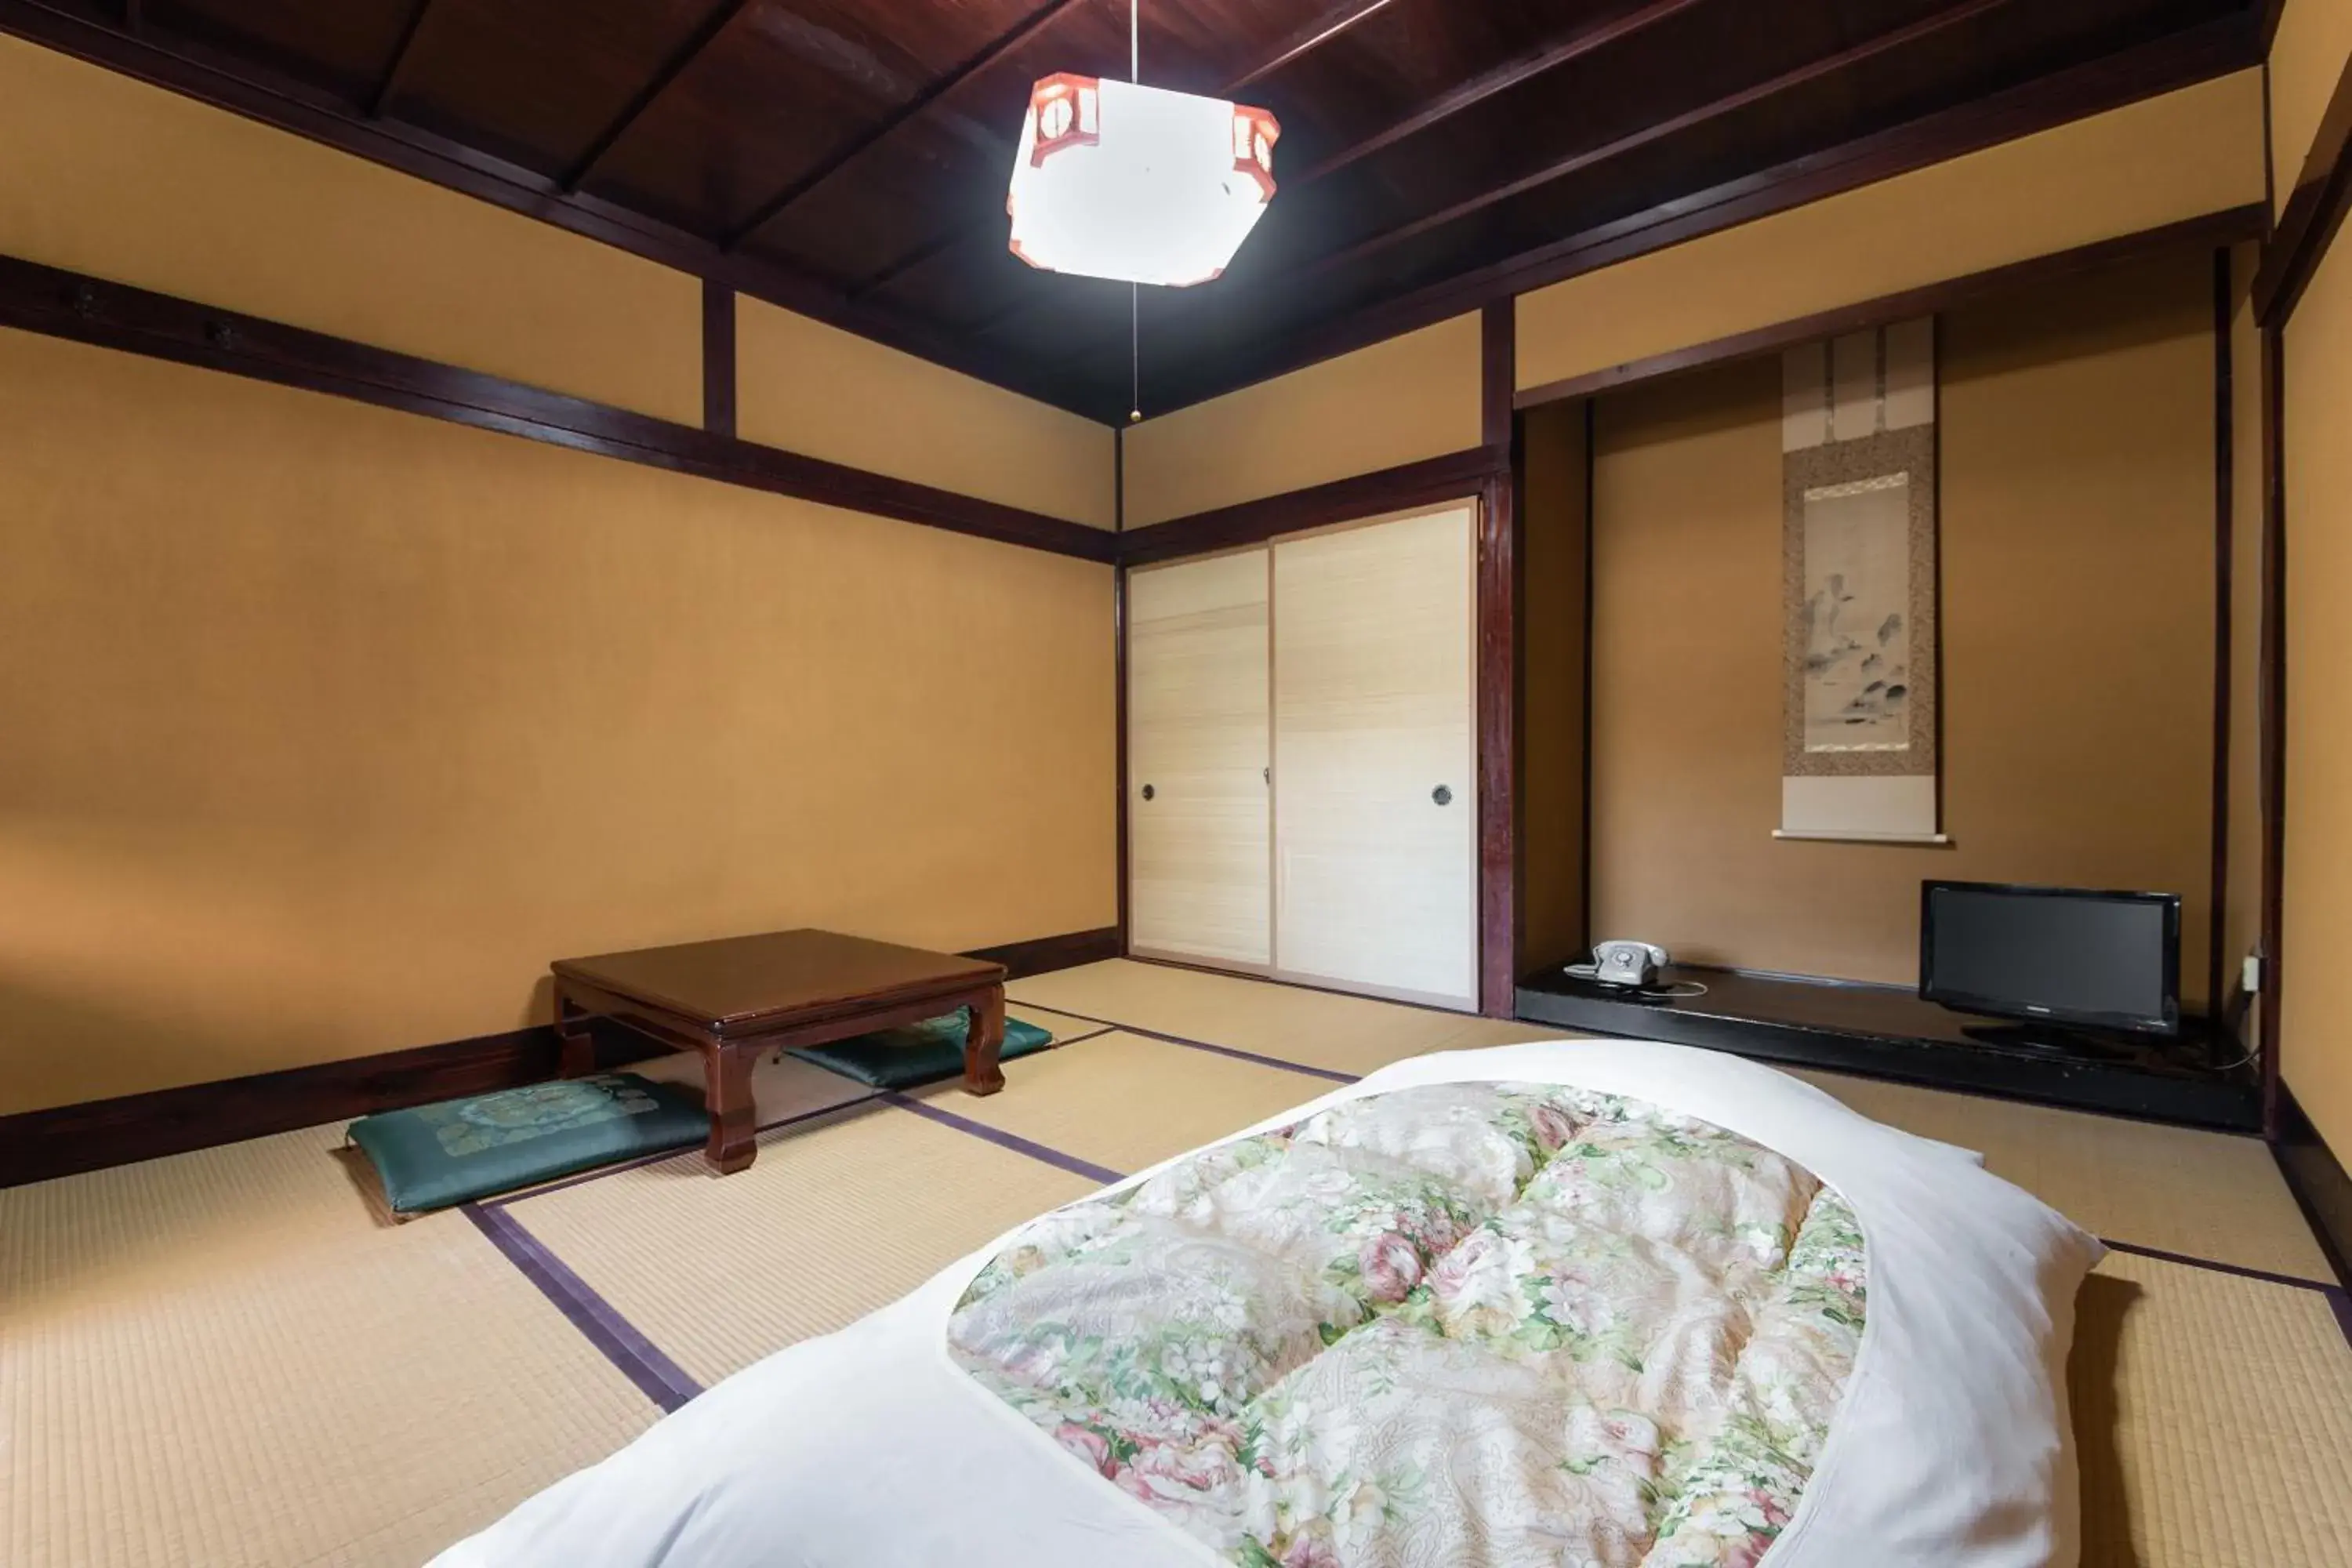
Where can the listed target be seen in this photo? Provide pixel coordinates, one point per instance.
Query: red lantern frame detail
(1255, 133)
(1081, 96)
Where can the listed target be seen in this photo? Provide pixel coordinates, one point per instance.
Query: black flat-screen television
(2065, 956)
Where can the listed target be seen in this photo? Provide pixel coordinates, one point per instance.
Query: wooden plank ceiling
(850, 157)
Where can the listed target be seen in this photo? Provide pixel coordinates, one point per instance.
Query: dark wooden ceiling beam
(241, 87)
(914, 109)
(680, 60)
(2232, 225)
(1573, 45)
(41, 298)
(1084, 343)
(397, 69)
(1310, 38)
(2273, 13)
(2313, 212)
(1502, 78)
(1593, 157)
(1431, 479)
(1326, 27)
(2165, 65)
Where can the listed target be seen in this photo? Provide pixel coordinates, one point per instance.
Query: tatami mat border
(519, 1193)
(503, 1199)
(660, 1379)
(2219, 1268)
(2338, 1300)
(624, 1344)
(669, 1386)
(1327, 1074)
(1003, 1140)
(1439, 1008)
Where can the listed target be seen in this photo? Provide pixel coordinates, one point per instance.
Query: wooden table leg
(983, 1042)
(726, 1074)
(578, 1057)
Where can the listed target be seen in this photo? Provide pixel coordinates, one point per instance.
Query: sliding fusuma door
(1198, 813)
(1376, 800)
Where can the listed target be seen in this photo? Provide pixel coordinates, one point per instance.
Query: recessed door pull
(1146, 792)
(1442, 796)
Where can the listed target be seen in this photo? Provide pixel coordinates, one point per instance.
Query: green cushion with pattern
(430, 1157)
(920, 1053)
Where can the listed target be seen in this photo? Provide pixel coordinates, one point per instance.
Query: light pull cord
(1135, 290)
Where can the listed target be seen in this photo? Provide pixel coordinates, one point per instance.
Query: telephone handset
(1634, 964)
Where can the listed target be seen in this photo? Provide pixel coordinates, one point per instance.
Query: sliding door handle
(1442, 796)
(1146, 792)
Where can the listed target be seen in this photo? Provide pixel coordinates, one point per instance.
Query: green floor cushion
(920, 1053)
(431, 1156)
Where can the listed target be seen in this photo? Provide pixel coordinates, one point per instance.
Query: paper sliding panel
(1199, 818)
(1375, 757)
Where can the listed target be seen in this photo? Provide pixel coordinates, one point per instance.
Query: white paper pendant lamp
(1121, 181)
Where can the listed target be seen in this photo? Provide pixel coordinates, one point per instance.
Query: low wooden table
(733, 999)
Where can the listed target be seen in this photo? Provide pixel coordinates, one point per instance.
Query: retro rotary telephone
(1632, 965)
(1631, 969)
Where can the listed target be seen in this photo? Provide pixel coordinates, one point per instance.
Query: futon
(1574, 1302)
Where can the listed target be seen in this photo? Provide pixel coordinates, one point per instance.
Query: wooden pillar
(717, 358)
(1497, 666)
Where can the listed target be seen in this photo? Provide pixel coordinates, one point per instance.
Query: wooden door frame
(1498, 612)
(1487, 476)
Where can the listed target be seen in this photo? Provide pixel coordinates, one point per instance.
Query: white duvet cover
(1936, 1437)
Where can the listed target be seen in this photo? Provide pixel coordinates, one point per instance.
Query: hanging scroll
(1858, 474)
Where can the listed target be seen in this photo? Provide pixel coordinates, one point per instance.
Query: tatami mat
(2207, 1194)
(1061, 1025)
(2214, 1415)
(222, 1359)
(784, 1087)
(233, 1358)
(1124, 1101)
(1319, 1029)
(836, 1217)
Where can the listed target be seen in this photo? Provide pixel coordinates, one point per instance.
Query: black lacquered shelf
(1888, 1032)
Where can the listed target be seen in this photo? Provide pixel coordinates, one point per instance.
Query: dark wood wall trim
(1119, 765)
(719, 381)
(2220, 228)
(1592, 512)
(135, 320)
(2224, 635)
(1433, 479)
(191, 68)
(1498, 671)
(1044, 954)
(2319, 1182)
(37, 1145)
(2273, 695)
(2314, 211)
(2183, 59)
(1118, 674)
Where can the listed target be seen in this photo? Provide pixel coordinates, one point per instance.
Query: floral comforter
(1461, 1324)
